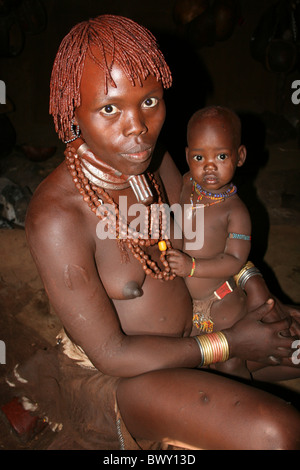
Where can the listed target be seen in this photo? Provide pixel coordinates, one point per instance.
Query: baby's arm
(225, 264)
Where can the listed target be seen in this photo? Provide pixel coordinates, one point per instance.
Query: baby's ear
(186, 153)
(242, 153)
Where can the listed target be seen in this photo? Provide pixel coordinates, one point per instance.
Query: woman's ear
(242, 153)
(74, 120)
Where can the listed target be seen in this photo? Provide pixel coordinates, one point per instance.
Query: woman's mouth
(138, 155)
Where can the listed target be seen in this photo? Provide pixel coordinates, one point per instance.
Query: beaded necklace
(213, 197)
(96, 196)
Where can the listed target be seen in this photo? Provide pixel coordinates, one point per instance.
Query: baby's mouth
(210, 179)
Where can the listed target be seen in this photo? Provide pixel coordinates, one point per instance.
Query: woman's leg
(200, 410)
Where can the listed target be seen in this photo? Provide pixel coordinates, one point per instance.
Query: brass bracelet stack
(214, 348)
(248, 271)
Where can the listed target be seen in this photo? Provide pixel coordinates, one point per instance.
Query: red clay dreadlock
(130, 45)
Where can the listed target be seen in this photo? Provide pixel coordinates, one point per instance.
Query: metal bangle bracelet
(201, 350)
(247, 275)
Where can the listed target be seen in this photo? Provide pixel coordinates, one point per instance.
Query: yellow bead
(162, 246)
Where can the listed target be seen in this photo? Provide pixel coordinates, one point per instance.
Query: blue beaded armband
(239, 236)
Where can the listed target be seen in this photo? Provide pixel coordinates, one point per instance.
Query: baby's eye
(150, 103)
(198, 158)
(222, 156)
(109, 110)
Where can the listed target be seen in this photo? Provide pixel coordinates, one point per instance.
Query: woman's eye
(109, 110)
(150, 103)
(198, 158)
(222, 156)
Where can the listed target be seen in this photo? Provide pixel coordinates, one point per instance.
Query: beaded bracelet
(248, 271)
(214, 348)
(193, 267)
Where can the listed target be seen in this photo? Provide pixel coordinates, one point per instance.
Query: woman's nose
(134, 124)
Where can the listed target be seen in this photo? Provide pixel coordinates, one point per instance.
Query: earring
(75, 132)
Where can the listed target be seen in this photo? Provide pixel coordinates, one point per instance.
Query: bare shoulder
(238, 214)
(52, 210)
(237, 205)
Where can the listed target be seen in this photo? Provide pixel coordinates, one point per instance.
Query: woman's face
(122, 126)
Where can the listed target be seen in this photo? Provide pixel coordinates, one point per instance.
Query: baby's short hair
(218, 111)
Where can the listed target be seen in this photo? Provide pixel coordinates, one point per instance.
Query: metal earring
(75, 133)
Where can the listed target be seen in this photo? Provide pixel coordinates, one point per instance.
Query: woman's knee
(281, 430)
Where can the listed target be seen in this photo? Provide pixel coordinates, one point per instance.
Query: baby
(214, 152)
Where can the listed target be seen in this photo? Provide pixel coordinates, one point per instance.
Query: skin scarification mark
(74, 275)
(203, 397)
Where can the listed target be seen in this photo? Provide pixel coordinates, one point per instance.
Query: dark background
(205, 69)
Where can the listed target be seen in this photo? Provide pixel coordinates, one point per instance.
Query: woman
(124, 375)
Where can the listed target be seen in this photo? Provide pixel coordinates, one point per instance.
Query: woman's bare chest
(122, 275)
(144, 304)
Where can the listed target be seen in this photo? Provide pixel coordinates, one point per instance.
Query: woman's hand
(290, 312)
(254, 339)
(294, 315)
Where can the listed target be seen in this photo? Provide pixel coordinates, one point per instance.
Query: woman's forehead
(95, 82)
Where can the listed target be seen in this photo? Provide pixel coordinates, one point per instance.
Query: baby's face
(212, 153)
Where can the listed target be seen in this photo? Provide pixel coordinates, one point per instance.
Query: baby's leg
(229, 310)
(275, 373)
(234, 367)
(225, 313)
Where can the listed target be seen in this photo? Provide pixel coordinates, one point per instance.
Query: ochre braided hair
(127, 44)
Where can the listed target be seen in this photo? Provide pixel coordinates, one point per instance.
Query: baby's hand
(180, 263)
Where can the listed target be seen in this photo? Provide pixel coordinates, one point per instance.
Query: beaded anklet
(247, 271)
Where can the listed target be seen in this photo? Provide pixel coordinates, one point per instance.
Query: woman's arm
(65, 261)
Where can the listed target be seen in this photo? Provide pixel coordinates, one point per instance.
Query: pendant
(141, 189)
